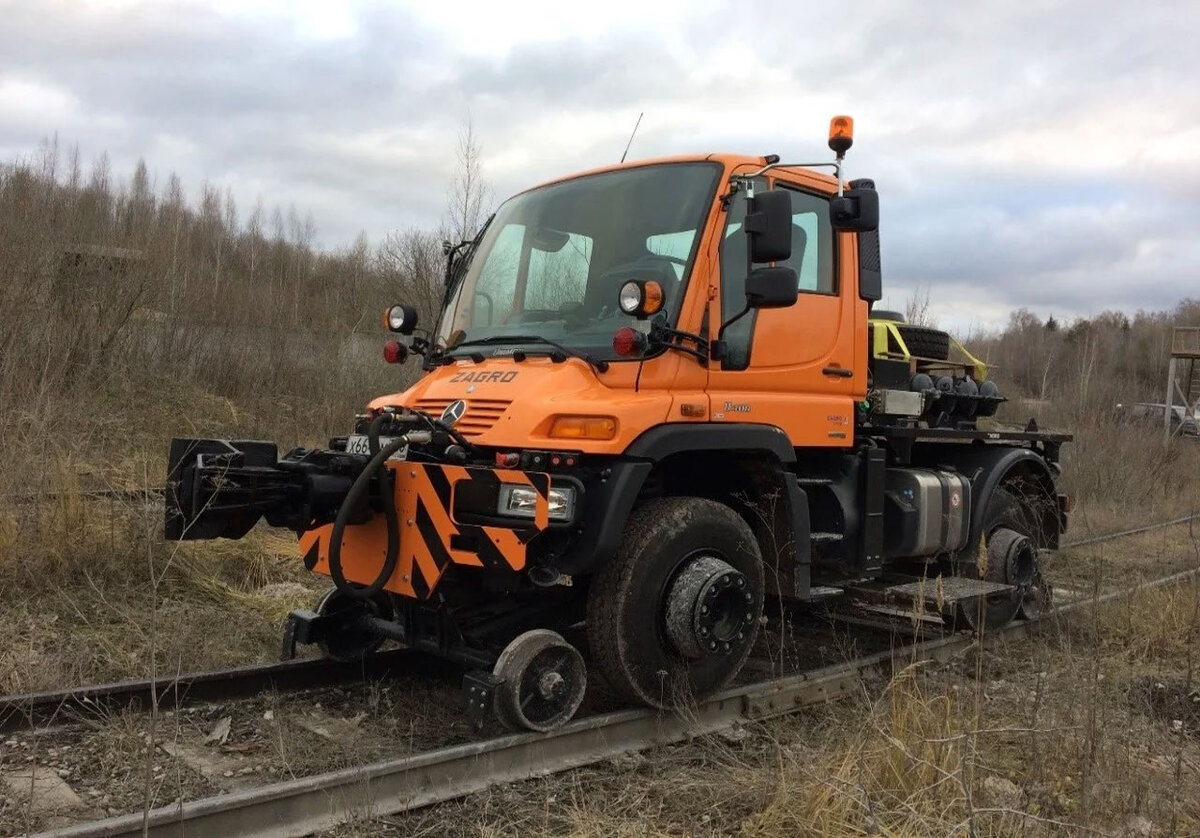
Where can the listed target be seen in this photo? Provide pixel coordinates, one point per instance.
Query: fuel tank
(927, 512)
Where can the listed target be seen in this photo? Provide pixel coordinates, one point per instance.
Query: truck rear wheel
(673, 615)
(1007, 552)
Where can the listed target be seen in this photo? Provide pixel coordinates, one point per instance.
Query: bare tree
(916, 308)
(411, 262)
(469, 198)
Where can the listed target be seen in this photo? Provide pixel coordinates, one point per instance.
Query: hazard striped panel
(430, 538)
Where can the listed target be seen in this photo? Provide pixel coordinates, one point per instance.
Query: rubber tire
(924, 342)
(1003, 510)
(894, 316)
(626, 601)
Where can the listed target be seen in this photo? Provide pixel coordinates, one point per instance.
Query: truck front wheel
(672, 617)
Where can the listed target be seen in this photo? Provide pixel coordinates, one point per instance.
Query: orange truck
(656, 401)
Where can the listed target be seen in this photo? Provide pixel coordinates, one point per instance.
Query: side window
(675, 246)
(811, 259)
(812, 243)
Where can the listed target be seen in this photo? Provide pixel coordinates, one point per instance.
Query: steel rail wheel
(542, 681)
(345, 639)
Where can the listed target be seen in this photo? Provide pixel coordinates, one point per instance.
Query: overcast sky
(1027, 154)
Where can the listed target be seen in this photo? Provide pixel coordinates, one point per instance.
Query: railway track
(20, 712)
(308, 804)
(311, 804)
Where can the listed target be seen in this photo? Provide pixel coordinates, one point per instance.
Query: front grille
(481, 414)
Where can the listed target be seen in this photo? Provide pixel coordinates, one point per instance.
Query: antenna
(631, 136)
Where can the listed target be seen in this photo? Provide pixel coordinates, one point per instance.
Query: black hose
(439, 425)
(374, 465)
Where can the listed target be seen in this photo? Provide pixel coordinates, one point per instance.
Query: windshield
(553, 259)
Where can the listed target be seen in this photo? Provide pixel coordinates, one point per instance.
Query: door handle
(837, 372)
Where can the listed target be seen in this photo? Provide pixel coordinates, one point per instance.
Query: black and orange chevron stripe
(430, 538)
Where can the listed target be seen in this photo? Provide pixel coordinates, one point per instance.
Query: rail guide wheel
(1037, 600)
(541, 679)
(345, 639)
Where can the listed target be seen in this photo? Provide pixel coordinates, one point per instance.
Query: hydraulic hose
(375, 465)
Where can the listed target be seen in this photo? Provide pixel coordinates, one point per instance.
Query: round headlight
(630, 298)
(400, 318)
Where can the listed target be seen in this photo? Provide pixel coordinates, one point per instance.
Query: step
(890, 618)
(825, 537)
(952, 590)
(820, 592)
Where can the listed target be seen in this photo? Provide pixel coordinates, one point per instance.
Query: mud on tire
(627, 600)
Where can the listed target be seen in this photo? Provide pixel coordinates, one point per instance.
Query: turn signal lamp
(640, 298)
(628, 341)
(841, 134)
(584, 427)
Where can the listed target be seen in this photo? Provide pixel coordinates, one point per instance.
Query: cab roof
(730, 162)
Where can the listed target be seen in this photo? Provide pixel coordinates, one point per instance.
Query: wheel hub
(709, 608)
(551, 684)
(1015, 553)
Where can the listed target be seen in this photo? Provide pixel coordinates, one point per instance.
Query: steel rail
(19, 712)
(1135, 531)
(147, 493)
(310, 804)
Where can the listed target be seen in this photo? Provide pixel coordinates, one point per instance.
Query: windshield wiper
(561, 353)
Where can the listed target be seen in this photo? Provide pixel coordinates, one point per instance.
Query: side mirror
(769, 226)
(772, 288)
(856, 211)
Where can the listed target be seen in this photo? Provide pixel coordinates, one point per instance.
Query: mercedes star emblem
(453, 412)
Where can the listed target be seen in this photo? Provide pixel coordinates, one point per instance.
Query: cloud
(1027, 154)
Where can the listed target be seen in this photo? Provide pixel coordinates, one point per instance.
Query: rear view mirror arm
(663, 335)
(717, 347)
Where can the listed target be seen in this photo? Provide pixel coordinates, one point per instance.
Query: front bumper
(447, 513)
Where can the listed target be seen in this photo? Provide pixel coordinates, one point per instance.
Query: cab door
(793, 367)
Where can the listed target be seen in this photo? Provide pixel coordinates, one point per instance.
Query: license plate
(359, 444)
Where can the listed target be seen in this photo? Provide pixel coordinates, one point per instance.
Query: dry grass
(1069, 732)
(132, 317)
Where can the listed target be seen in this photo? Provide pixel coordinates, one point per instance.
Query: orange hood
(514, 404)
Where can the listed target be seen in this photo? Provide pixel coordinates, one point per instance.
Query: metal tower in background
(1185, 346)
